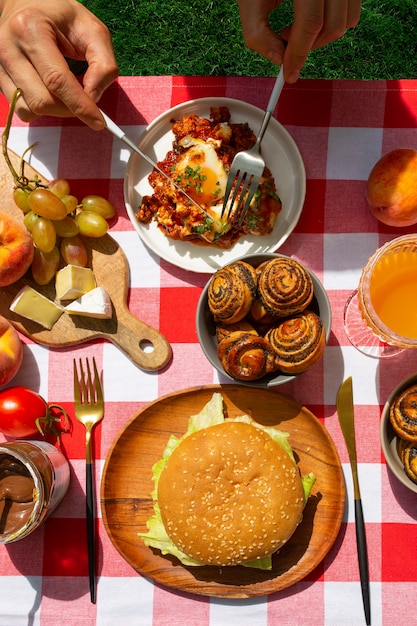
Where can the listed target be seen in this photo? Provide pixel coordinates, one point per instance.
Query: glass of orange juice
(381, 316)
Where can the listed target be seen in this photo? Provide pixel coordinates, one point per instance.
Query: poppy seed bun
(229, 494)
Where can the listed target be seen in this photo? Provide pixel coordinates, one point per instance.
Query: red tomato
(23, 413)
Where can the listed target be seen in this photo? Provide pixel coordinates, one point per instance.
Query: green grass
(203, 37)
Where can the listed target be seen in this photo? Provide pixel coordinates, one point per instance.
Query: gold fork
(89, 410)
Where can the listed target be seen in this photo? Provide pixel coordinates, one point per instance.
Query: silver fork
(248, 166)
(89, 411)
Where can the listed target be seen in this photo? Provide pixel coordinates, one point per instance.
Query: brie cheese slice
(94, 303)
(34, 306)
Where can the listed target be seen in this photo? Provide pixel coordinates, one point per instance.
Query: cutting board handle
(144, 345)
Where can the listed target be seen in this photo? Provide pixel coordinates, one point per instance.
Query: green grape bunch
(56, 219)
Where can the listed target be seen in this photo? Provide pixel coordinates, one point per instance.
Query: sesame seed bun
(230, 494)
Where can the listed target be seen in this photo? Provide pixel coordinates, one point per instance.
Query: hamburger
(228, 492)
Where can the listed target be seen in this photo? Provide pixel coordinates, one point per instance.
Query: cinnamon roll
(285, 287)
(259, 314)
(298, 342)
(222, 329)
(231, 292)
(403, 414)
(409, 459)
(245, 356)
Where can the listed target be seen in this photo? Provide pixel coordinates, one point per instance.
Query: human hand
(35, 36)
(316, 23)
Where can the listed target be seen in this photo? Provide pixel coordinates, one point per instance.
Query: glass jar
(388, 284)
(34, 477)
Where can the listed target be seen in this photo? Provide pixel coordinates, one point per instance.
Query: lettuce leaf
(211, 414)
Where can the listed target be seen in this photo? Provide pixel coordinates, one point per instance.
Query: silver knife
(345, 411)
(118, 132)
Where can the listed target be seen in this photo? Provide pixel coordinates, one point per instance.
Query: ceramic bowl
(206, 330)
(389, 438)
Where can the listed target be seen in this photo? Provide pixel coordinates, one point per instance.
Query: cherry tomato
(23, 413)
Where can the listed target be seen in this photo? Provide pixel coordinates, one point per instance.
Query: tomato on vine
(24, 413)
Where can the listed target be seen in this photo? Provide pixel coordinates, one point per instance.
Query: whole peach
(11, 351)
(16, 250)
(391, 191)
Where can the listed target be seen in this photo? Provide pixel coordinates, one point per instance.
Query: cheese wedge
(94, 303)
(72, 282)
(34, 306)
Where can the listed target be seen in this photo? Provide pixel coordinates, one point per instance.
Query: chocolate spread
(16, 494)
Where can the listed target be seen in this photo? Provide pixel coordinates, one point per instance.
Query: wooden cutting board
(144, 345)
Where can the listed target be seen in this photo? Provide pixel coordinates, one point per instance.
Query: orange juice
(393, 291)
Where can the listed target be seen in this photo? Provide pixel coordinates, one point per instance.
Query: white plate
(281, 156)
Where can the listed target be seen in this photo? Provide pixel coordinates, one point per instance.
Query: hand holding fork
(247, 167)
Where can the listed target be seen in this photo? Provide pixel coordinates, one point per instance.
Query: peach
(391, 190)
(11, 351)
(16, 250)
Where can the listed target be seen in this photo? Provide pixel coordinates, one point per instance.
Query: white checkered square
(370, 487)
(123, 380)
(126, 601)
(20, 598)
(344, 607)
(224, 612)
(121, 153)
(44, 156)
(352, 152)
(143, 267)
(345, 255)
(341, 362)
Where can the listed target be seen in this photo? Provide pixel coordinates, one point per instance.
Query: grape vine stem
(20, 179)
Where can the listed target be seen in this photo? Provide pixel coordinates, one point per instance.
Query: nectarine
(11, 351)
(391, 190)
(16, 250)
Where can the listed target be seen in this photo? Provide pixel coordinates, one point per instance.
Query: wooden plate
(143, 344)
(127, 484)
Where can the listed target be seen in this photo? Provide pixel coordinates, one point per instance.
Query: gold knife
(345, 411)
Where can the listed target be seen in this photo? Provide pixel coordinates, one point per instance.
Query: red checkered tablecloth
(341, 129)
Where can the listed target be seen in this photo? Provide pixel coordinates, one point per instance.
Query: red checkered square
(174, 609)
(116, 417)
(398, 540)
(313, 216)
(65, 547)
(140, 100)
(401, 107)
(145, 305)
(356, 104)
(93, 160)
(307, 250)
(81, 187)
(286, 608)
(257, 92)
(395, 595)
(312, 143)
(346, 209)
(23, 557)
(308, 103)
(337, 304)
(178, 306)
(346, 567)
(111, 563)
(186, 88)
(189, 367)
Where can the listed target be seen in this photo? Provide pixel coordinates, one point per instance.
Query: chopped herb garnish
(204, 227)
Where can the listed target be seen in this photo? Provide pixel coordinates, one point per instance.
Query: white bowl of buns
(398, 431)
(263, 319)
